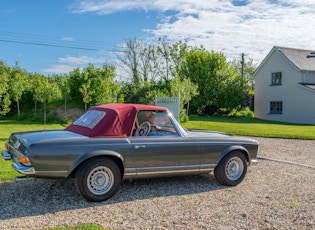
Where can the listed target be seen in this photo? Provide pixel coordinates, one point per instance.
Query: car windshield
(90, 119)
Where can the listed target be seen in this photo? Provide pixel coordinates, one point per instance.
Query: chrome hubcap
(100, 180)
(234, 168)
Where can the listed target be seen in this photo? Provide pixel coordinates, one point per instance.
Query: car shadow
(40, 197)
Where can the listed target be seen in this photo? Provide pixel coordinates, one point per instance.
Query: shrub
(242, 113)
(183, 116)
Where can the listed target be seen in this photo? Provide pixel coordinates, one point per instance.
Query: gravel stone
(273, 195)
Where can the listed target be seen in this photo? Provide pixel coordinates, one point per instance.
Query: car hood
(29, 138)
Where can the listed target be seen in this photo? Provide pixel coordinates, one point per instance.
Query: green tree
(245, 67)
(104, 86)
(86, 91)
(149, 66)
(170, 57)
(63, 83)
(36, 82)
(185, 89)
(18, 84)
(129, 59)
(218, 84)
(5, 101)
(93, 86)
(75, 83)
(45, 89)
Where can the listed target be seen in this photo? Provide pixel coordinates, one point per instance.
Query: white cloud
(233, 27)
(59, 69)
(108, 7)
(69, 63)
(81, 60)
(68, 39)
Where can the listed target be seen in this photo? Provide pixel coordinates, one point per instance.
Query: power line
(40, 40)
(44, 44)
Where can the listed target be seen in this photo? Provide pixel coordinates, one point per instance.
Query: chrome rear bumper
(6, 155)
(254, 161)
(26, 170)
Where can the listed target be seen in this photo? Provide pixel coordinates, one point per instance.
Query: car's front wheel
(232, 169)
(98, 179)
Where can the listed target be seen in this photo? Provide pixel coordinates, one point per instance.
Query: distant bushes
(242, 113)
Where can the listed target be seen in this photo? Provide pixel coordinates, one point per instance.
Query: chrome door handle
(139, 146)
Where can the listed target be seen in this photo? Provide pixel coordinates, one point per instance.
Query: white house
(285, 86)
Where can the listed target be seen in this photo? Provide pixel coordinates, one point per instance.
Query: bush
(242, 113)
(183, 116)
(66, 121)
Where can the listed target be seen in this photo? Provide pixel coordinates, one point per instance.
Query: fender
(96, 153)
(233, 148)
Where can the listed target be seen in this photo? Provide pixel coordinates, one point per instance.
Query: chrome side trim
(169, 168)
(205, 167)
(168, 172)
(52, 174)
(157, 171)
(6, 155)
(27, 170)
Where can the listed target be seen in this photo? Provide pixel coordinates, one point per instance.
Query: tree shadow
(40, 197)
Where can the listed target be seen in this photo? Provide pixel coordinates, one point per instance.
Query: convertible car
(114, 142)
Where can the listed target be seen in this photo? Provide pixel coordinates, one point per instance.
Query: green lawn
(234, 126)
(79, 227)
(251, 127)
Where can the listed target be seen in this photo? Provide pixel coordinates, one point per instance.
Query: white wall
(298, 102)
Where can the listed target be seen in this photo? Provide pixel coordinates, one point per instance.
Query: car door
(165, 155)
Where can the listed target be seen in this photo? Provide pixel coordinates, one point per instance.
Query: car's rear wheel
(232, 169)
(98, 179)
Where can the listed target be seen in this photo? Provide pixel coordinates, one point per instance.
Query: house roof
(302, 60)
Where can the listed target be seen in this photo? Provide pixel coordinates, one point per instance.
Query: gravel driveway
(274, 195)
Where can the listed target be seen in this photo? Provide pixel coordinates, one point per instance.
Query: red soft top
(117, 122)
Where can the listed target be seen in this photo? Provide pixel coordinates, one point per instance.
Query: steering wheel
(144, 129)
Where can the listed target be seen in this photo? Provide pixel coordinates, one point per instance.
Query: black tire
(98, 179)
(232, 169)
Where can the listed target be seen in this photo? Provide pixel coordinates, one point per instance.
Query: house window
(276, 78)
(276, 107)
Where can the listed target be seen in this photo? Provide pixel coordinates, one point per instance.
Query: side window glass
(154, 123)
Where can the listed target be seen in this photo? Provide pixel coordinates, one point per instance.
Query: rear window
(90, 119)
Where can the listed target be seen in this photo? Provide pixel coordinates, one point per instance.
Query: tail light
(24, 160)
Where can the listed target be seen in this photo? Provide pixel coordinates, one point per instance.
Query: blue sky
(58, 35)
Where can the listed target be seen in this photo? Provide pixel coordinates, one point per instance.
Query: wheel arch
(230, 149)
(114, 156)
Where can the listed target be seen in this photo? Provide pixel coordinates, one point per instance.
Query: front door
(165, 155)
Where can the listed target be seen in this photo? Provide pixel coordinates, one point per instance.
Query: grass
(79, 227)
(245, 126)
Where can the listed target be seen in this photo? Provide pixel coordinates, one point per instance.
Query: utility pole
(242, 70)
